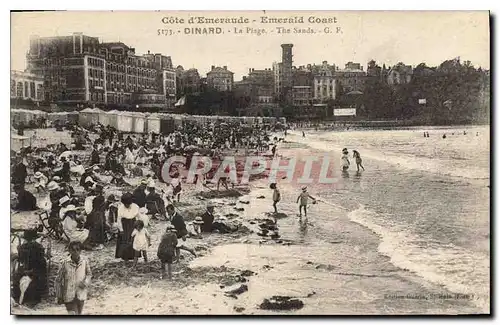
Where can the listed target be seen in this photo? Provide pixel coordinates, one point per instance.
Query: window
(39, 92)
(19, 89)
(32, 90)
(12, 88)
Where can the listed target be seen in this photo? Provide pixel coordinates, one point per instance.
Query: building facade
(78, 69)
(399, 74)
(351, 78)
(188, 81)
(262, 85)
(26, 86)
(220, 79)
(302, 89)
(324, 82)
(277, 68)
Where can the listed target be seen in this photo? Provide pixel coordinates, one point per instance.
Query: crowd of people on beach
(108, 186)
(84, 196)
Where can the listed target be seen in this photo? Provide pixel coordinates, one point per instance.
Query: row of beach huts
(132, 122)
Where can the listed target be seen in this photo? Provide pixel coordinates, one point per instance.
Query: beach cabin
(58, 118)
(125, 122)
(89, 116)
(113, 118)
(72, 116)
(15, 116)
(139, 122)
(104, 118)
(153, 123)
(167, 124)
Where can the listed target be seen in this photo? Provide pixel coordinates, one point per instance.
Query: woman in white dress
(127, 215)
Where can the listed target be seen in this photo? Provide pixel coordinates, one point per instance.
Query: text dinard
(244, 20)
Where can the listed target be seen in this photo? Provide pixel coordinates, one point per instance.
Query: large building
(302, 89)
(188, 81)
(352, 78)
(262, 85)
(399, 74)
(26, 86)
(220, 79)
(324, 82)
(78, 69)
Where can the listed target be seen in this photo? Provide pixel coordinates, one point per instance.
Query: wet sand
(343, 275)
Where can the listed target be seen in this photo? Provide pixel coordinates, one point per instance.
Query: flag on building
(181, 101)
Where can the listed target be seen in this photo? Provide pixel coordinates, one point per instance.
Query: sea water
(426, 197)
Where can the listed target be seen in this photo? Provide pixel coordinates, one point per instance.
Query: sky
(385, 36)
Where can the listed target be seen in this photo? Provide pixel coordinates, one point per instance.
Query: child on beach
(359, 161)
(166, 251)
(304, 198)
(276, 196)
(345, 160)
(142, 241)
(73, 280)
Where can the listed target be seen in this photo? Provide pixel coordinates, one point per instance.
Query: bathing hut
(113, 118)
(125, 122)
(89, 116)
(153, 123)
(104, 118)
(139, 122)
(167, 124)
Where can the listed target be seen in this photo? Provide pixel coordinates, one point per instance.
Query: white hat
(143, 210)
(69, 208)
(52, 186)
(198, 221)
(95, 168)
(38, 174)
(64, 199)
(56, 178)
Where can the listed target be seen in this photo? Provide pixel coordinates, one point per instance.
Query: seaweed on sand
(281, 303)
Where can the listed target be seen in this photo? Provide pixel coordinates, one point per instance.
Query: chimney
(225, 67)
(148, 51)
(249, 70)
(213, 67)
(325, 62)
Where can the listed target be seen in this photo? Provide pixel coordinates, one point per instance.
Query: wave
(412, 162)
(459, 270)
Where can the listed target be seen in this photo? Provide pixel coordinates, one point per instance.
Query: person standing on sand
(73, 280)
(142, 241)
(303, 134)
(126, 216)
(166, 251)
(304, 198)
(276, 196)
(180, 226)
(345, 160)
(359, 161)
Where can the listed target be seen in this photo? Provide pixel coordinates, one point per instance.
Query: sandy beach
(331, 263)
